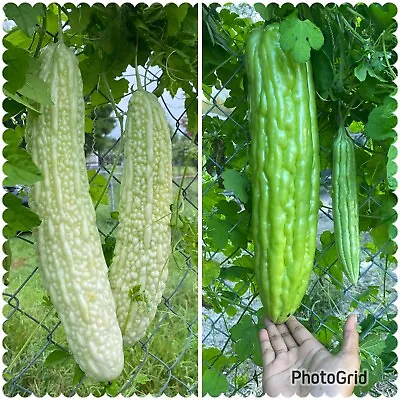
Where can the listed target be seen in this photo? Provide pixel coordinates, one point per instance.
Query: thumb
(350, 336)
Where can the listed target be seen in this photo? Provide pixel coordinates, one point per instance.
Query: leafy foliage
(106, 39)
(351, 51)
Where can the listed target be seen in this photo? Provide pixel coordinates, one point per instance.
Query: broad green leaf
(210, 272)
(78, 375)
(214, 382)
(238, 183)
(17, 64)
(57, 357)
(298, 37)
(24, 15)
(373, 345)
(79, 17)
(212, 356)
(218, 232)
(17, 217)
(36, 89)
(20, 100)
(97, 185)
(175, 16)
(108, 249)
(382, 120)
(245, 337)
(19, 167)
(14, 136)
(266, 11)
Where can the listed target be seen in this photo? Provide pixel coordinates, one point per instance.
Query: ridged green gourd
(139, 269)
(345, 205)
(67, 244)
(284, 171)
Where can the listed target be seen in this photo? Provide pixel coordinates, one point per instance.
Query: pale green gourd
(67, 241)
(285, 171)
(345, 205)
(139, 270)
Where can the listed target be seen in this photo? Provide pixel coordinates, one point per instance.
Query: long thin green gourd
(68, 245)
(345, 204)
(285, 171)
(139, 270)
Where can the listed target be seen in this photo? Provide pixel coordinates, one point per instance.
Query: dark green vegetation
(353, 74)
(107, 41)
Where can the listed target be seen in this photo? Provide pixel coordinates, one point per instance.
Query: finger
(299, 333)
(350, 336)
(287, 336)
(268, 354)
(277, 342)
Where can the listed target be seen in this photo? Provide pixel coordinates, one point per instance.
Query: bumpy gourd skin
(285, 172)
(139, 270)
(67, 241)
(345, 205)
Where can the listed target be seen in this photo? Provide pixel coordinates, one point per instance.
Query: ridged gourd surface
(67, 241)
(345, 205)
(285, 171)
(139, 270)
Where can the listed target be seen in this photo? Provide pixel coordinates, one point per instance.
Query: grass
(170, 352)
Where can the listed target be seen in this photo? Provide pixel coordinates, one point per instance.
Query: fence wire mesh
(229, 300)
(165, 360)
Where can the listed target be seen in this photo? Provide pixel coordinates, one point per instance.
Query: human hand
(291, 347)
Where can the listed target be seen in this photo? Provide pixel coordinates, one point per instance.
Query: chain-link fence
(231, 307)
(165, 360)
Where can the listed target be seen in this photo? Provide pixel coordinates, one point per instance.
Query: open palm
(290, 346)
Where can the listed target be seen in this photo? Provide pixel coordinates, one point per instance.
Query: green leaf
(214, 382)
(298, 37)
(213, 357)
(14, 136)
(36, 89)
(266, 12)
(356, 127)
(19, 167)
(360, 72)
(211, 271)
(245, 337)
(175, 16)
(57, 357)
(238, 183)
(382, 120)
(324, 79)
(25, 16)
(78, 375)
(368, 295)
(218, 232)
(108, 249)
(20, 100)
(79, 18)
(392, 167)
(97, 184)
(373, 345)
(17, 217)
(18, 63)
(113, 388)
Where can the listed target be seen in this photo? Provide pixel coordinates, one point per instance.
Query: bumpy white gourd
(139, 270)
(67, 241)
